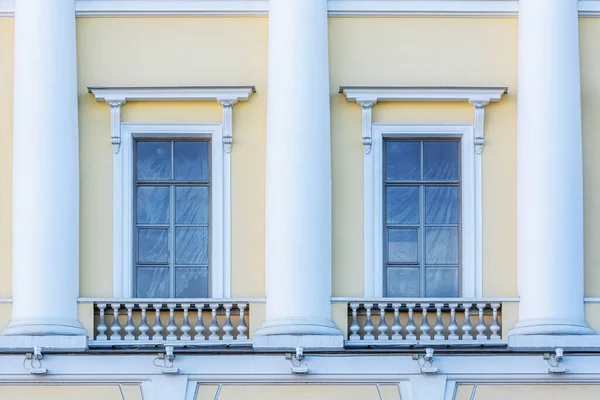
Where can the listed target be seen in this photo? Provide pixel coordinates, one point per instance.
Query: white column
(45, 171)
(549, 171)
(298, 176)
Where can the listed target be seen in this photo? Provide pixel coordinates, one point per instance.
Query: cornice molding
(222, 94)
(355, 8)
(377, 94)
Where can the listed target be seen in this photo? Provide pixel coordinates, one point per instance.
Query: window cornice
(377, 94)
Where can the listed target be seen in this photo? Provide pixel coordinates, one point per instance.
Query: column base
(551, 327)
(289, 333)
(44, 327)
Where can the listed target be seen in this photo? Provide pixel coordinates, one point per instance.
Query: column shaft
(45, 171)
(549, 170)
(298, 176)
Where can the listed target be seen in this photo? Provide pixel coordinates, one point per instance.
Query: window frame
(470, 282)
(219, 203)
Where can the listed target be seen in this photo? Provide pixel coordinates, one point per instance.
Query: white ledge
(231, 94)
(376, 94)
(355, 8)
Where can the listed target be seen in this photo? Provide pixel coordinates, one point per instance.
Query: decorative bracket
(367, 122)
(479, 105)
(227, 96)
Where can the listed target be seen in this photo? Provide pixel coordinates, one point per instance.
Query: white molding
(339, 8)
(173, 93)
(376, 94)
(373, 214)
(123, 202)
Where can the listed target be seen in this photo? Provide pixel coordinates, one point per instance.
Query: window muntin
(421, 212)
(171, 218)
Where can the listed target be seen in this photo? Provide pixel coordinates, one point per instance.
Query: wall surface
(298, 392)
(61, 392)
(529, 392)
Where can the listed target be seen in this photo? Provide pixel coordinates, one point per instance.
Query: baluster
(157, 328)
(425, 328)
(452, 326)
(214, 326)
(185, 326)
(101, 323)
(129, 327)
(481, 323)
(354, 327)
(495, 327)
(115, 328)
(467, 323)
(227, 326)
(410, 324)
(439, 325)
(382, 327)
(368, 323)
(242, 328)
(171, 326)
(199, 328)
(144, 324)
(396, 326)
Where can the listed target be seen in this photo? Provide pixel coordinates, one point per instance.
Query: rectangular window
(172, 188)
(421, 217)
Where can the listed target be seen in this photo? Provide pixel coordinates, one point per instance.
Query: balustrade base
(50, 343)
(291, 342)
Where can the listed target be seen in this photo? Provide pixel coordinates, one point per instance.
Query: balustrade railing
(431, 321)
(191, 322)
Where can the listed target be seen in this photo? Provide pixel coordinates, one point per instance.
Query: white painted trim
(425, 93)
(173, 93)
(471, 214)
(123, 203)
(422, 300)
(340, 8)
(91, 300)
(6, 300)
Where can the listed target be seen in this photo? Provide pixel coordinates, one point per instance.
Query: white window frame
(221, 135)
(220, 183)
(470, 183)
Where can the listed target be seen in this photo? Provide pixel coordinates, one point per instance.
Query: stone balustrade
(425, 321)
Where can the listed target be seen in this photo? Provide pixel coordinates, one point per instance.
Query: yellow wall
(173, 51)
(534, 392)
(363, 51)
(6, 115)
(428, 52)
(298, 392)
(60, 392)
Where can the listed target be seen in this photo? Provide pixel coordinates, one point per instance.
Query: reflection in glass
(441, 246)
(152, 282)
(402, 205)
(441, 282)
(191, 282)
(191, 161)
(191, 246)
(403, 161)
(153, 161)
(441, 205)
(153, 245)
(191, 205)
(402, 282)
(440, 161)
(403, 246)
(152, 205)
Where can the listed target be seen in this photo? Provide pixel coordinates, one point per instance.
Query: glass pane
(191, 282)
(440, 161)
(441, 205)
(441, 245)
(441, 282)
(403, 161)
(153, 161)
(402, 205)
(403, 246)
(152, 282)
(191, 246)
(191, 205)
(402, 282)
(152, 205)
(153, 245)
(191, 161)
